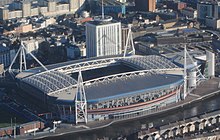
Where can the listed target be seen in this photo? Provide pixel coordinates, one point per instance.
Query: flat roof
(98, 20)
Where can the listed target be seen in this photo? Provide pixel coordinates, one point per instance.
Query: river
(129, 127)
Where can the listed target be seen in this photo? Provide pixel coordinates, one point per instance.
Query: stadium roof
(50, 81)
(115, 89)
(128, 87)
(56, 81)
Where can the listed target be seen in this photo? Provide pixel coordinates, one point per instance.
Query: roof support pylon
(23, 65)
(129, 40)
(80, 102)
(199, 76)
(185, 75)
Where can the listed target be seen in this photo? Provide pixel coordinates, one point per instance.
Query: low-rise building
(14, 14)
(76, 51)
(73, 52)
(82, 49)
(189, 12)
(32, 45)
(1, 69)
(213, 23)
(4, 13)
(24, 28)
(47, 8)
(42, 23)
(175, 5)
(5, 56)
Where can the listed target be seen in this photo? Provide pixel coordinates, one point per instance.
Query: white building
(39, 24)
(103, 37)
(122, 1)
(1, 69)
(31, 45)
(82, 49)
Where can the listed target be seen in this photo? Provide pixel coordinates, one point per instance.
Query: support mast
(22, 62)
(80, 102)
(129, 39)
(185, 74)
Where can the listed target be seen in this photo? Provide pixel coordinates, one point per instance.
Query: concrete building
(189, 12)
(24, 28)
(75, 5)
(111, 7)
(4, 56)
(4, 13)
(72, 5)
(26, 8)
(208, 13)
(213, 23)
(82, 49)
(72, 52)
(76, 51)
(207, 9)
(31, 45)
(175, 5)
(34, 11)
(103, 37)
(145, 5)
(122, 1)
(124, 35)
(211, 63)
(191, 3)
(1, 69)
(15, 14)
(45, 7)
(51, 4)
(4, 2)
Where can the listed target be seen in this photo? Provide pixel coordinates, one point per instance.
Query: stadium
(105, 87)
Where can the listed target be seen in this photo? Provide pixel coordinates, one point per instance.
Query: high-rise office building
(145, 5)
(26, 8)
(103, 37)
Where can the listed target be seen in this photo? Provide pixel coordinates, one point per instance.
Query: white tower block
(210, 57)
